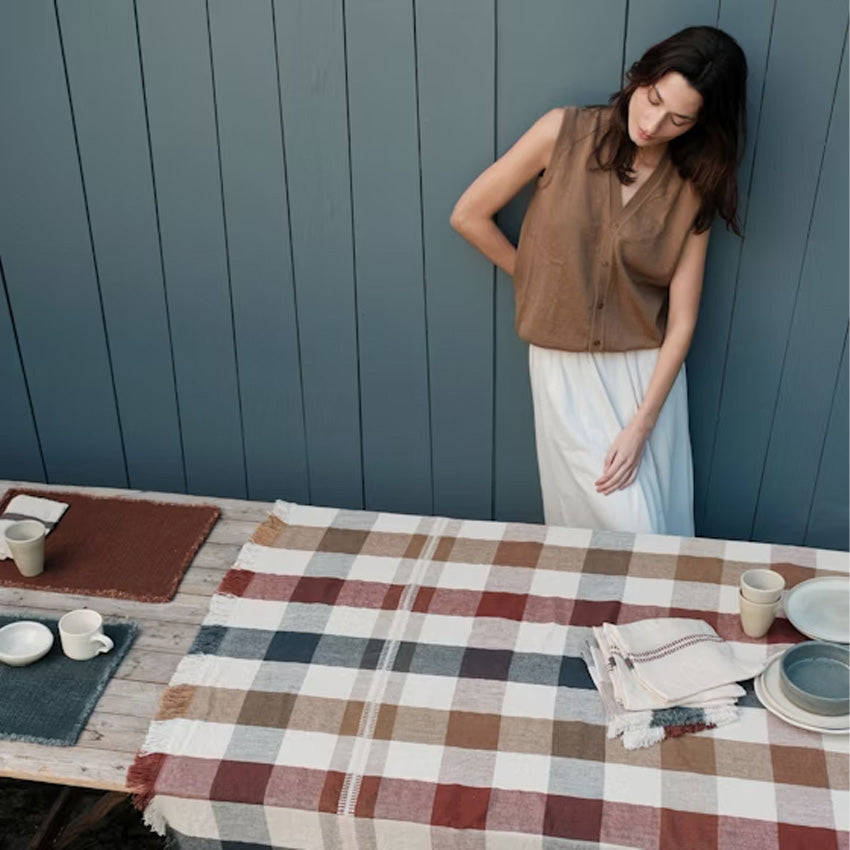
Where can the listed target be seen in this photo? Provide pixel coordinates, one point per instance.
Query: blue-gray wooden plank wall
(227, 267)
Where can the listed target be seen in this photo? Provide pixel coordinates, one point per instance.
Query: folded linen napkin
(663, 662)
(660, 678)
(651, 726)
(20, 507)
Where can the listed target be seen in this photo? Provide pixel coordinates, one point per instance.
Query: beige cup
(756, 617)
(81, 633)
(25, 540)
(762, 585)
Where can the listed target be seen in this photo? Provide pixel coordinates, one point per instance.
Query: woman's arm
(473, 214)
(623, 458)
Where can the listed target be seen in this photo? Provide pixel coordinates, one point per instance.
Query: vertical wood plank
(255, 203)
(651, 21)
(548, 54)
(828, 520)
(750, 25)
(456, 63)
(47, 256)
(388, 254)
(311, 54)
(813, 355)
(176, 66)
(802, 69)
(20, 455)
(110, 117)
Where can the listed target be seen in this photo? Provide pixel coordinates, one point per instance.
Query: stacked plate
(806, 686)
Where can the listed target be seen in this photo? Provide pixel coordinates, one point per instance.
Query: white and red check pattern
(381, 681)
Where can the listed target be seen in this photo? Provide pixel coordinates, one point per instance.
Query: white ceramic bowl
(23, 642)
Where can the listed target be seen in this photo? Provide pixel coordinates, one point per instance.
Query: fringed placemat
(49, 701)
(112, 546)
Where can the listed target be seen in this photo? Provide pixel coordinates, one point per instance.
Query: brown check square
(743, 759)
(799, 766)
(517, 553)
(471, 730)
(568, 559)
(345, 541)
(387, 544)
(694, 568)
(607, 562)
(297, 537)
(525, 735)
(220, 705)
(264, 708)
(690, 754)
(574, 739)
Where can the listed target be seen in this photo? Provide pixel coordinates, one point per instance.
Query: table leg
(53, 822)
(57, 832)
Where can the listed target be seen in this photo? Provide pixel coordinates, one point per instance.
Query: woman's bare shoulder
(550, 122)
(576, 121)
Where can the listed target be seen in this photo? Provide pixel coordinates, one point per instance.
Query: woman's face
(663, 110)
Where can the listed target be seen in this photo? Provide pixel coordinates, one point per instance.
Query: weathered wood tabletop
(117, 727)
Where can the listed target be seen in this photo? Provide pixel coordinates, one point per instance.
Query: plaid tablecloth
(369, 680)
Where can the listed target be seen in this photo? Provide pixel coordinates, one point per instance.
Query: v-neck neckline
(620, 210)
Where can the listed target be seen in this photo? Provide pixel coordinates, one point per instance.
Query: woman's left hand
(623, 459)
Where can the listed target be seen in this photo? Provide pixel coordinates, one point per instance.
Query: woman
(608, 274)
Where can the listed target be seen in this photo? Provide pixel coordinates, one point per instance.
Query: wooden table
(117, 727)
(465, 574)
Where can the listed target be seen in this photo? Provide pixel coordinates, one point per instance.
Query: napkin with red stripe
(660, 678)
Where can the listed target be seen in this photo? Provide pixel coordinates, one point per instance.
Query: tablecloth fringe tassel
(141, 777)
(154, 818)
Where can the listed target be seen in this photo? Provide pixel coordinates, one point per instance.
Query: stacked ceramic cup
(759, 598)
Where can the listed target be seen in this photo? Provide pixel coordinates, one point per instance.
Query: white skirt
(581, 402)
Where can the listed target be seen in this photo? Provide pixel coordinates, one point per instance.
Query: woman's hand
(623, 458)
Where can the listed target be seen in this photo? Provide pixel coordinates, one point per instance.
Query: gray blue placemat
(49, 702)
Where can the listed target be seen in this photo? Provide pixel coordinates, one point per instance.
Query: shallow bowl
(816, 677)
(23, 642)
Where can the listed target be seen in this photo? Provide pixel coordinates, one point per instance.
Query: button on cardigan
(592, 274)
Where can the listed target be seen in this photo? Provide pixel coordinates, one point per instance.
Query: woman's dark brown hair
(709, 152)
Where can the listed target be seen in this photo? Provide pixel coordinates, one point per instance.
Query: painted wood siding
(227, 267)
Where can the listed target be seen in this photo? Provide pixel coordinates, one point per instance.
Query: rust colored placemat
(112, 546)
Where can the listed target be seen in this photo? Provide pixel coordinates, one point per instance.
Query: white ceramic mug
(81, 633)
(25, 540)
(762, 585)
(756, 617)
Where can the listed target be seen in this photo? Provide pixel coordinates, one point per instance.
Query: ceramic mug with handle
(81, 633)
